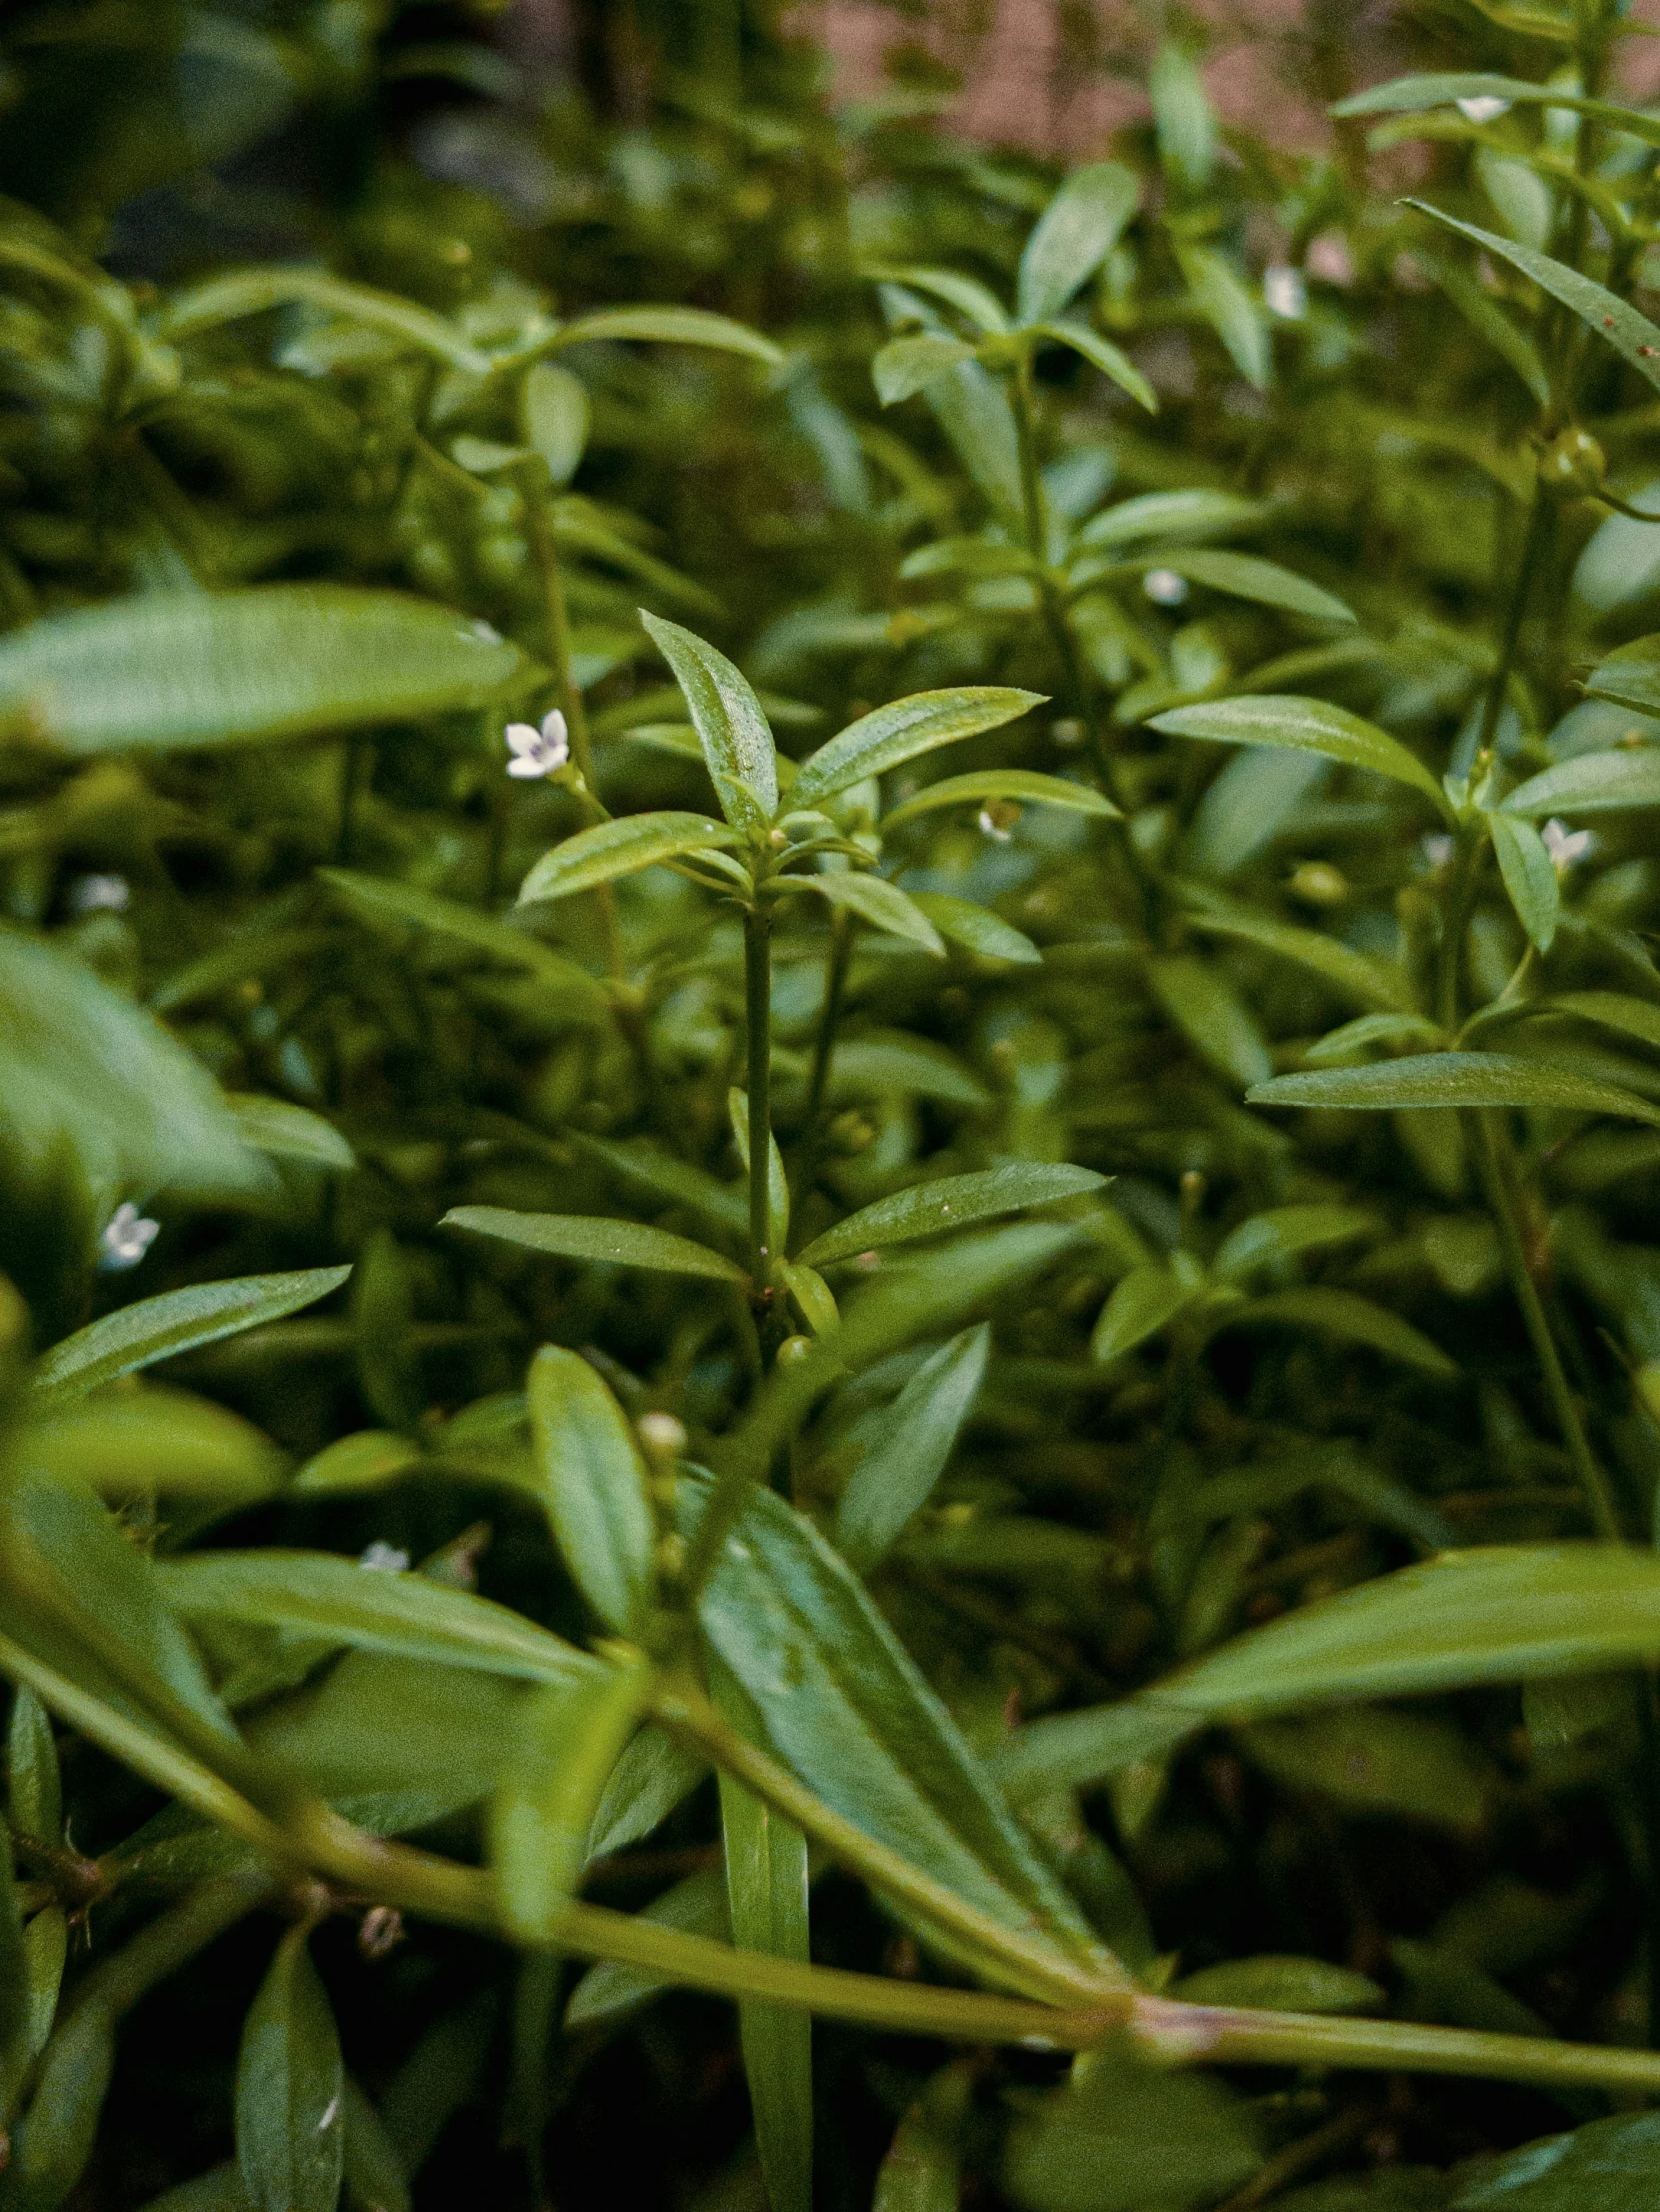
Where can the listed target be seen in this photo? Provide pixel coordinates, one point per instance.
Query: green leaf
(372, 2176)
(1529, 877)
(767, 1902)
(892, 1481)
(86, 1073)
(1204, 1006)
(178, 1321)
(1173, 514)
(289, 2089)
(1412, 95)
(778, 1190)
(17, 2047)
(922, 2171)
(1345, 1313)
(1369, 1759)
(1246, 576)
(1630, 676)
(1018, 784)
(403, 906)
(607, 1994)
(554, 415)
(319, 1594)
(1222, 298)
(1280, 1984)
(1141, 1303)
(1072, 237)
(1305, 725)
(950, 1203)
(1483, 313)
(1183, 123)
(1500, 1614)
(845, 1707)
(658, 1175)
(1126, 2136)
(587, 1238)
(1592, 783)
(975, 928)
(1113, 363)
(53, 2143)
(966, 294)
(1356, 976)
(34, 1793)
(45, 1954)
(1600, 309)
(1605, 2166)
(127, 1444)
(620, 848)
(896, 1062)
(737, 740)
(653, 1775)
(905, 365)
(1453, 1079)
(874, 900)
(1614, 1009)
(901, 731)
(283, 1130)
(257, 291)
(673, 326)
(169, 671)
(1286, 1232)
(594, 1482)
(571, 1736)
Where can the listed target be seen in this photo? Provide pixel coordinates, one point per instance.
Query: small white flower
(537, 752)
(1286, 292)
(991, 827)
(383, 1558)
(127, 1238)
(1486, 107)
(98, 894)
(1565, 846)
(1164, 587)
(1438, 850)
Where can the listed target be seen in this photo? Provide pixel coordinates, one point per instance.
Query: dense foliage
(921, 1292)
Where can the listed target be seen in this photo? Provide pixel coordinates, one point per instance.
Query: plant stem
(757, 997)
(1521, 592)
(1489, 1145)
(536, 491)
(1032, 1968)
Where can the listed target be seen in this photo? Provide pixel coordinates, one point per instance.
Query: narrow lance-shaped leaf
(16, 2038)
(554, 414)
(1309, 726)
(966, 294)
(1454, 1079)
(620, 848)
(1412, 95)
(1113, 363)
(731, 727)
(1072, 237)
(403, 905)
(951, 1202)
(975, 929)
(1630, 676)
(905, 365)
(570, 1738)
(34, 1792)
(901, 731)
(892, 1481)
(1019, 785)
(1286, 1232)
(178, 1321)
(922, 2171)
(289, 2089)
(1344, 1314)
(1600, 309)
(257, 291)
(178, 670)
(283, 1130)
(1592, 783)
(1246, 576)
(874, 900)
(1141, 1303)
(1356, 976)
(1613, 1009)
(768, 1902)
(1530, 877)
(594, 1483)
(54, 2143)
(585, 1236)
(671, 326)
(320, 1594)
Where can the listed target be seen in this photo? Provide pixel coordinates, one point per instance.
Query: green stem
(1521, 592)
(1033, 1969)
(757, 997)
(537, 494)
(1490, 1145)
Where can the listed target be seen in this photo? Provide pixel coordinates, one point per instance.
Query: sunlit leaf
(1305, 725)
(586, 1236)
(888, 735)
(1072, 237)
(673, 326)
(1453, 1079)
(975, 929)
(1592, 783)
(874, 900)
(594, 1481)
(951, 1202)
(733, 730)
(905, 365)
(620, 848)
(1016, 784)
(1529, 877)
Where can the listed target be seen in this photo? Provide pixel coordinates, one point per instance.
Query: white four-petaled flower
(1483, 107)
(537, 752)
(1284, 290)
(126, 1236)
(382, 1558)
(1565, 846)
(1164, 587)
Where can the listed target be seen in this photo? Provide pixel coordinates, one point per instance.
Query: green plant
(1015, 1313)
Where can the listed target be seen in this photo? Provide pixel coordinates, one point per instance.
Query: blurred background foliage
(1346, 398)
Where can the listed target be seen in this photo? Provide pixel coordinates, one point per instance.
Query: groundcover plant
(829, 1125)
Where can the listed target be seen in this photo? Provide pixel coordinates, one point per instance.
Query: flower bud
(1573, 463)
